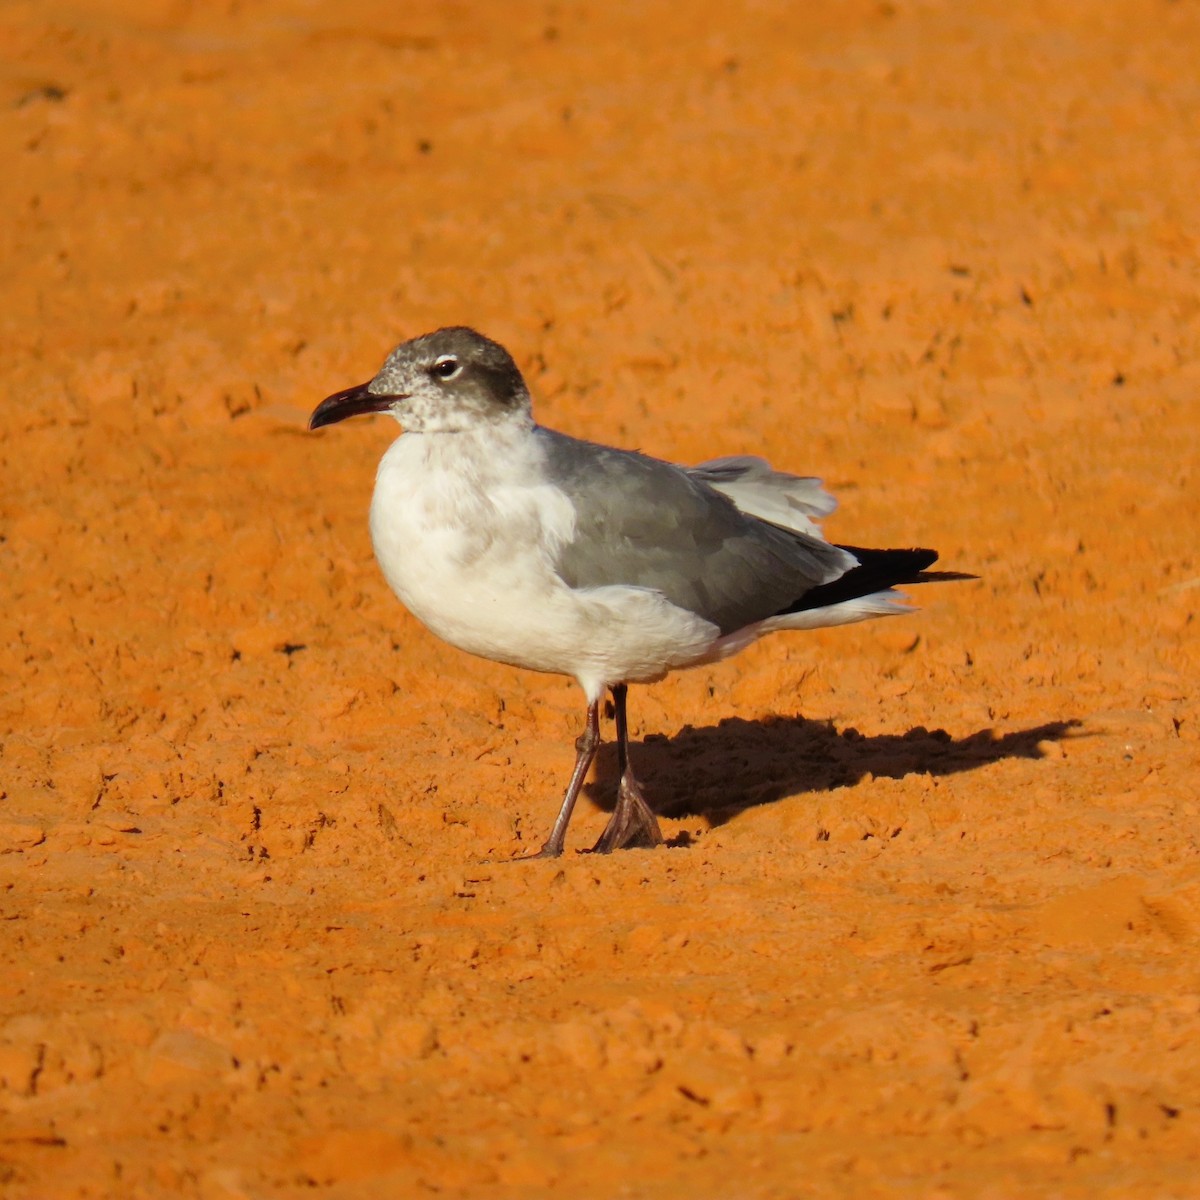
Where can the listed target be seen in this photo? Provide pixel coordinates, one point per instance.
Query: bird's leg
(632, 822)
(586, 745)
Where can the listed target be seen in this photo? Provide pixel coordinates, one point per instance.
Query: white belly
(467, 539)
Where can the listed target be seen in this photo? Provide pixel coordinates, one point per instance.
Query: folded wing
(641, 522)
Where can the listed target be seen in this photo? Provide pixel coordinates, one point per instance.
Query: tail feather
(877, 571)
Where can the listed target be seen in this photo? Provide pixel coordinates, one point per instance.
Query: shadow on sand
(718, 771)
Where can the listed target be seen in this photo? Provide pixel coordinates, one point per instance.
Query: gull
(533, 548)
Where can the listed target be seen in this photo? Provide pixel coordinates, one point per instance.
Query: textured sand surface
(931, 920)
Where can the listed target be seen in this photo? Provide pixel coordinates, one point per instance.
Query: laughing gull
(533, 548)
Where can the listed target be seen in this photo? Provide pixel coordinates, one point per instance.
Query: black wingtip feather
(877, 570)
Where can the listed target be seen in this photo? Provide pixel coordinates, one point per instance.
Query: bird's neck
(480, 450)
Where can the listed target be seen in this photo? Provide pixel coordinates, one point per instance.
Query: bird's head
(448, 381)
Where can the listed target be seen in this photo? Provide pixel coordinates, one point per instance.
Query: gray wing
(645, 523)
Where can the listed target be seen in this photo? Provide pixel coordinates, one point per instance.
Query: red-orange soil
(930, 925)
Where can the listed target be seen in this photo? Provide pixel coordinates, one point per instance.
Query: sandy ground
(930, 923)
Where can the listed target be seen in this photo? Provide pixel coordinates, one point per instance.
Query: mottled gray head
(447, 381)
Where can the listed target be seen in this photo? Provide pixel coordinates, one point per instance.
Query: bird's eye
(445, 367)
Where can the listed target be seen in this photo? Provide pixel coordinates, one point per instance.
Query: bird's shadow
(719, 771)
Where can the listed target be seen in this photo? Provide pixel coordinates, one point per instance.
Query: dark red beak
(353, 402)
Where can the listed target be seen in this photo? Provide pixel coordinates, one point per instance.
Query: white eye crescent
(445, 366)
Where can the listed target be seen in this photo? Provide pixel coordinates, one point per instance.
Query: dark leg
(632, 822)
(586, 745)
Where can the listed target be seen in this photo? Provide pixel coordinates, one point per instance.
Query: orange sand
(934, 929)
